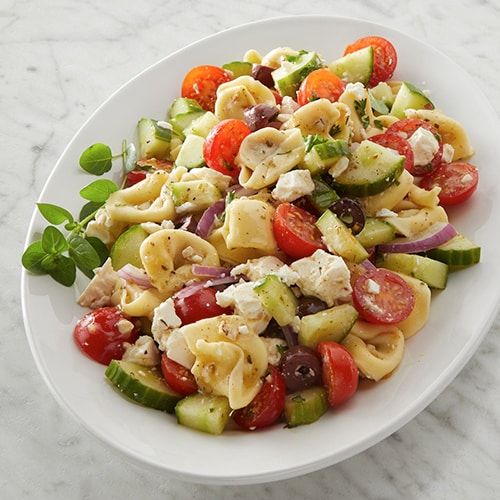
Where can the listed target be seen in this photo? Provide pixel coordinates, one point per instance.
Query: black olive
(350, 213)
(260, 116)
(263, 74)
(310, 305)
(300, 367)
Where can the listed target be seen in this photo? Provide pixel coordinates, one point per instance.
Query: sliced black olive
(301, 368)
(310, 305)
(350, 213)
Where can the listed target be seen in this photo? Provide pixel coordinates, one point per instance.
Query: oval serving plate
(460, 317)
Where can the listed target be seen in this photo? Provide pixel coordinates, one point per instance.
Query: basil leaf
(33, 256)
(98, 191)
(64, 270)
(54, 214)
(378, 105)
(130, 158)
(89, 208)
(84, 255)
(100, 248)
(96, 159)
(53, 241)
(312, 140)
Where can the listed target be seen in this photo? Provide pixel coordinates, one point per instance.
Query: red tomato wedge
(267, 406)
(397, 143)
(381, 296)
(457, 180)
(200, 305)
(179, 378)
(134, 177)
(100, 334)
(340, 373)
(201, 84)
(321, 83)
(385, 57)
(222, 145)
(295, 231)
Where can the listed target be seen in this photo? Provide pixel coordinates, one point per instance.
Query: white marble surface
(60, 59)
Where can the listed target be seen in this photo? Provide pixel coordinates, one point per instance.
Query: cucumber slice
(409, 97)
(290, 74)
(325, 154)
(183, 105)
(203, 412)
(355, 67)
(459, 251)
(278, 300)
(372, 169)
(323, 195)
(201, 126)
(126, 248)
(191, 152)
(383, 92)
(430, 271)
(305, 407)
(143, 385)
(376, 232)
(238, 68)
(155, 141)
(202, 194)
(182, 121)
(331, 324)
(339, 239)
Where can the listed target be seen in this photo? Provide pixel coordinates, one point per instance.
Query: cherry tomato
(397, 143)
(267, 406)
(295, 231)
(134, 177)
(407, 127)
(457, 181)
(381, 296)
(201, 84)
(340, 373)
(179, 378)
(222, 145)
(199, 305)
(321, 83)
(100, 334)
(385, 57)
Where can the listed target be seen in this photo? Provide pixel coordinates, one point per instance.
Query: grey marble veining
(58, 61)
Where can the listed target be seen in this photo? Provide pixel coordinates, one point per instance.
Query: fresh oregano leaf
(89, 208)
(96, 159)
(100, 248)
(98, 191)
(64, 270)
(54, 214)
(84, 255)
(33, 256)
(53, 241)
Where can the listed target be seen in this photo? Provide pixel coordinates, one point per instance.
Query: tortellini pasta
(230, 358)
(275, 57)
(266, 154)
(317, 118)
(168, 255)
(232, 256)
(356, 97)
(181, 174)
(411, 222)
(423, 198)
(147, 201)
(342, 128)
(138, 302)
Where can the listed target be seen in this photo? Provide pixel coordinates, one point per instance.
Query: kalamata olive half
(300, 367)
(263, 74)
(310, 305)
(260, 116)
(350, 213)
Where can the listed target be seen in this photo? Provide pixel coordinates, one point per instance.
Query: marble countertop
(58, 61)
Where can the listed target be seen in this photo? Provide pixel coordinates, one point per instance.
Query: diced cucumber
(238, 68)
(409, 97)
(383, 92)
(376, 232)
(183, 105)
(184, 120)
(323, 195)
(459, 251)
(201, 126)
(143, 385)
(372, 169)
(278, 300)
(430, 271)
(324, 155)
(203, 412)
(355, 67)
(155, 141)
(191, 152)
(202, 194)
(290, 74)
(329, 325)
(126, 248)
(305, 407)
(339, 238)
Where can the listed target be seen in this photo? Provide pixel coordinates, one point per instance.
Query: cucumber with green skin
(203, 412)
(182, 121)
(202, 125)
(202, 194)
(238, 68)
(409, 97)
(305, 407)
(354, 67)
(375, 232)
(143, 385)
(183, 105)
(126, 248)
(156, 141)
(383, 92)
(459, 251)
(324, 155)
(323, 195)
(191, 152)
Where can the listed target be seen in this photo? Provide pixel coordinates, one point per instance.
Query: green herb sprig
(360, 108)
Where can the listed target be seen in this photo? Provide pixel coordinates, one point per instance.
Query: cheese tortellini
(275, 57)
(138, 302)
(230, 358)
(233, 256)
(356, 98)
(411, 222)
(317, 117)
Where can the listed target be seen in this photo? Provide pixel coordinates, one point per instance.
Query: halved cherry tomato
(267, 406)
(179, 378)
(457, 180)
(381, 296)
(406, 128)
(295, 231)
(321, 83)
(340, 373)
(396, 142)
(385, 57)
(222, 145)
(201, 84)
(199, 305)
(100, 334)
(134, 177)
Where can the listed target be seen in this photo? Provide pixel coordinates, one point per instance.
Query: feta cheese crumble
(340, 167)
(448, 152)
(293, 185)
(424, 146)
(356, 89)
(144, 352)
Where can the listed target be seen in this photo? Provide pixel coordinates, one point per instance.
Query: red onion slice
(241, 191)
(210, 271)
(207, 220)
(368, 265)
(197, 286)
(438, 234)
(290, 335)
(138, 276)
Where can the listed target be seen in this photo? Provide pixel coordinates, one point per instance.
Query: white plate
(460, 317)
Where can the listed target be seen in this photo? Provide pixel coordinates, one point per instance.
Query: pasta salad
(275, 238)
